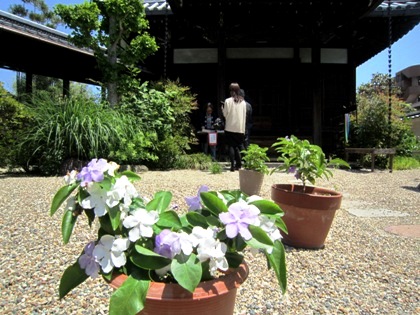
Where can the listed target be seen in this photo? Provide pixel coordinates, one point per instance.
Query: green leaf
(147, 259)
(213, 203)
(267, 206)
(234, 259)
(115, 215)
(67, 225)
(277, 260)
(160, 202)
(72, 277)
(260, 239)
(187, 271)
(197, 219)
(169, 219)
(61, 195)
(131, 175)
(130, 297)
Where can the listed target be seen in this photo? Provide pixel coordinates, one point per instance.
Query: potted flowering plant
(255, 167)
(142, 243)
(309, 210)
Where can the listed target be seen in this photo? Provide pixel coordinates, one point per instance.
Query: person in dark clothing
(248, 120)
(234, 111)
(208, 122)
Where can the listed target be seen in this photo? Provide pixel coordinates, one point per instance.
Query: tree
(40, 12)
(116, 30)
(371, 125)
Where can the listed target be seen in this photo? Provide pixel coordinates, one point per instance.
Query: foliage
(307, 161)
(150, 241)
(163, 110)
(196, 161)
(405, 163)
(75, 127)
(371, 127)
(216, 168)
(39, 13)
(15, 119)
(119, 26)
(255, 158)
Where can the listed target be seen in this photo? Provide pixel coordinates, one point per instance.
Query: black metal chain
(389, 70)
(165, 46)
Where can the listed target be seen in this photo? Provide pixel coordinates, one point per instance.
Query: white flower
(112, 167)
(186, 243)
(140, 222)
(268, 225)
(70, 178)
(109, 252)
(199, 234)
(213, 250)
(122, 188)
(96, 200)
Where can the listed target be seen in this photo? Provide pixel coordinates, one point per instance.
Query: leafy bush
(216, 168)
(163, 110)
(196, 161)
(405, 163)
(370, 124)
(14, 121)
(76, 128)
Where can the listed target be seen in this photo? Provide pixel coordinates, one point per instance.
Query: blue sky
(405, 52)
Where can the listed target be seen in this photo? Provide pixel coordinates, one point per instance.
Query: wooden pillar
(66, 87)
(221, 63)
(28, 82)
(317, 95)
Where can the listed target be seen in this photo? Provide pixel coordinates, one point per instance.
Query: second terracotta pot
(308, 215)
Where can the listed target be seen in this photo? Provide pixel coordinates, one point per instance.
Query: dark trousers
(235, 142)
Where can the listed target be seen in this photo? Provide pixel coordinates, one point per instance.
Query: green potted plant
(255, 166)
(158, 257)
(309, 210)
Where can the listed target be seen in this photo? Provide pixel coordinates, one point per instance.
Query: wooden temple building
(296, 60)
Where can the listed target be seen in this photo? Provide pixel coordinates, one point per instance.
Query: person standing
(209, 120)
(248, 122)
(234, 111)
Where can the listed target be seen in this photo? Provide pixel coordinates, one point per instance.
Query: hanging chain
(389, 69)
(165, 46)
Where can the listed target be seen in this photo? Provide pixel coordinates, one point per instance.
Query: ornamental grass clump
(151, 241)
(307, 161)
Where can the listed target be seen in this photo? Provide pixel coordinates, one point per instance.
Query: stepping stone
(410, 230)
(375, 212)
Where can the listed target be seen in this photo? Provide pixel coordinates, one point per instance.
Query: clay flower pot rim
(298, 189)
(231, 279)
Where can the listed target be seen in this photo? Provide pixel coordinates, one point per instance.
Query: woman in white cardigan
(234, 111)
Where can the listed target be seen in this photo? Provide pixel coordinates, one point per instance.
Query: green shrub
(405, 163)
(163, 111)
(216, 168)
(196, 161)
(15, 119)
(76, 128)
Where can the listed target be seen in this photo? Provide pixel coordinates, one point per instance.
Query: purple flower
(297, 175)
(88, 262)
(167, 244)
(239, 216)
(93, 172)
(194, 201)
(291, 169)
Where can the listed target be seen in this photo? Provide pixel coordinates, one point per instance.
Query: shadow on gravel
(416, 189)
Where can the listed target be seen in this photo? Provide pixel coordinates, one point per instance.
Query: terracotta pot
(308, 215)
(209, 298)
(250, 182)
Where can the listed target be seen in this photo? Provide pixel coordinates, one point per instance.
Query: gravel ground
(361, 270)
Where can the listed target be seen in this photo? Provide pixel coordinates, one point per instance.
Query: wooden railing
(373, 152)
